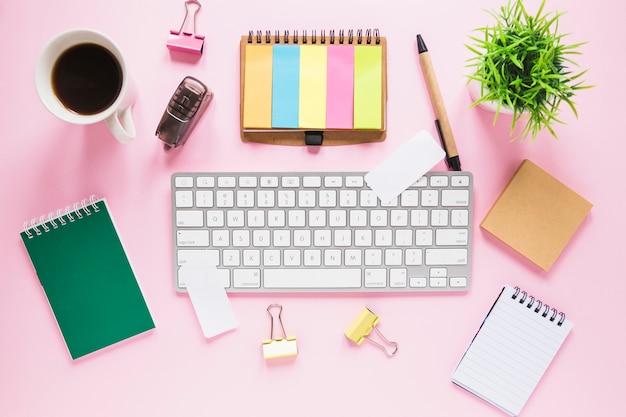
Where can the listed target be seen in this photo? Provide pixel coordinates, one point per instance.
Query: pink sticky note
(340, 87)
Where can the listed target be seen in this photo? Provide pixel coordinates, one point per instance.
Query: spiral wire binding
(45, 224)
(260, 37)
(546, 308)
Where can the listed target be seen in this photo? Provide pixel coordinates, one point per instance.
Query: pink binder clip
(185, 41)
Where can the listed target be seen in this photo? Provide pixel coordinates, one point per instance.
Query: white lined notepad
(512, 350)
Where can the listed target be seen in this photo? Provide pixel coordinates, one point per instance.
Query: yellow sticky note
(313, 73)
(368, 86)
(257, 94)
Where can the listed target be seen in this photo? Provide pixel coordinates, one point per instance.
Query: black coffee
(87, 78)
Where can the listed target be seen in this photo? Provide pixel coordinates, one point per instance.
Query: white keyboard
(323, 232)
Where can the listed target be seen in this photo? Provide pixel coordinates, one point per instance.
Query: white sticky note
(405, 166)
(209, 298)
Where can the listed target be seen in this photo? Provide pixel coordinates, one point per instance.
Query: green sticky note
(368, 87)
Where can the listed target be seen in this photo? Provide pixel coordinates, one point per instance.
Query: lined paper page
(510, 352)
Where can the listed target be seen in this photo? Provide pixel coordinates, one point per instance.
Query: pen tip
(421, 45)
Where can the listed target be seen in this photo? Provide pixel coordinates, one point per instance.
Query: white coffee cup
(116, 112)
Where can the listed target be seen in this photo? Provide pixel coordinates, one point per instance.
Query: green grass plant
(521, 62)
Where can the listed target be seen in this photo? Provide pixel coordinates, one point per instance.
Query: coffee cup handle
(121, 125)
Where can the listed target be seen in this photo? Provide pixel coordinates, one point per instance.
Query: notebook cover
(536, 215)
(88, 280)
(296, 137)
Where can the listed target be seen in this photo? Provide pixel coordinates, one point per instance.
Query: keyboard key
(375, 278)
(184, 199)
(205, 182)
(189, 256)
(451, 237)
(248, 182)
(455, 198)
(459, 217)
(287, 198)
(215, 218)
(409, 198)
(397, 277)
(290, 182)
(184, 182)
(303, 278)
(413, 256)
(439, 282)
(192, 238)
(266, 198)
(245, 198)
(430, 198)
(189, 218)
(333, 182)
(230, 257)
(247, 278)
(458, 282)
(438, 181)
(446, 257)
(347, 198)
(269, 182)
(292, 257)
(354, 181)
(225, 199)
(460, 181)
(312, 182)
(328, 198)
(226, 182)
(306, 198)
(417, 282)
(204, 198)
(241, 238)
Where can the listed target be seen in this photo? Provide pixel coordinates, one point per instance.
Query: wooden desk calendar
(313, 90)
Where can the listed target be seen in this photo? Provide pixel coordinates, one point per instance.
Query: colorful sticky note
(285, 86)
(312, 110)
(340, 87)
(368, 88)
(257, 93)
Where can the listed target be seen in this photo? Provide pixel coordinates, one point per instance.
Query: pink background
(173, 371)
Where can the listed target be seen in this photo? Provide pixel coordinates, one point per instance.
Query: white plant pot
(492, 106)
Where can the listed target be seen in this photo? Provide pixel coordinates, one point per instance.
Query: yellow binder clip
(363, 325)
(281, 347)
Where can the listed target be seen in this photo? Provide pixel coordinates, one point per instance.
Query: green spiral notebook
(87, 277)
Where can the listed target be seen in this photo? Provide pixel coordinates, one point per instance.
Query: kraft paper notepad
(536, 215)
(87, 277)
(313, 89)
(512, 350)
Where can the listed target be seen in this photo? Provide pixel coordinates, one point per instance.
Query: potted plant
(522, 67)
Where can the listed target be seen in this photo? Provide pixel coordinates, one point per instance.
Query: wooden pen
(443, 124)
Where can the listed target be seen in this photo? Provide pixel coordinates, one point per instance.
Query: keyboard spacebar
(312, 278)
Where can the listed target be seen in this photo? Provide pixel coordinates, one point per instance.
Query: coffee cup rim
(43, 73)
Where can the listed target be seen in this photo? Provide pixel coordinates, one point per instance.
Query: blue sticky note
(285, 86)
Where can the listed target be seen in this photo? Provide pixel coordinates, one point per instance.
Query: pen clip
(443, 142)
